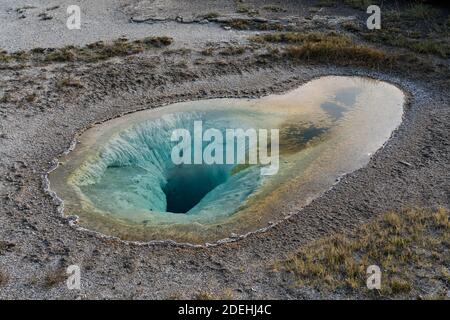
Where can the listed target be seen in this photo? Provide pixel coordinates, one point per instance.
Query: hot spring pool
(121, 180)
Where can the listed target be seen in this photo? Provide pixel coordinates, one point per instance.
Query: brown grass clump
(437, 47)
(399, 243)
(273, 8)
(4, 278)
(65, 54)
(417, 11)
(93, 52)
(226, 294)
(360, 4)
(4, 56)
(327, 48)
(232, 51)
(204, 295)
(418, 27)
(6, 246)
(30, 98)
(343, 55)
(6, 98)
(240, 24)
(158, 42)
(244, 24)
(356, 4)
(210, 15)
(302, 37)
(69, 82)
(208, 51)
(54, 278)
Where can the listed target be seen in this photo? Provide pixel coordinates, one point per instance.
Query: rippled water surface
(120, 179)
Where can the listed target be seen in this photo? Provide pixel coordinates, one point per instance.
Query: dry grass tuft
(4, 278)
(69, 82)
(399, 243)
(93, 52)
(245, 24)
(437, 47)
(54, 278)
(210, 15)
(208, 51)
(356, 4)
(240, 24)
(204, 295)
(30, 98)
(232, 51)
(273, 8)
(302, 38)
(6, 246)
(419, 27)
(343, 55)
(328, 48)
(417, 11)
(4, 56)
(241, 7)
(227, 294)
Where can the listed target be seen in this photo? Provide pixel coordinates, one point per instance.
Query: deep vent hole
(188, 184)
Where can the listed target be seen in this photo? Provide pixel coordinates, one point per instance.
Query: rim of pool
(332, 134)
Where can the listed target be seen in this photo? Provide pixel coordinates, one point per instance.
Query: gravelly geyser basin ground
(167, 54)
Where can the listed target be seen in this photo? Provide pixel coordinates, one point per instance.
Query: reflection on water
(120, 179)
(334, 110)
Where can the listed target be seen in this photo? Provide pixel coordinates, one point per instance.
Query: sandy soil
(101, 20)
(411, 170)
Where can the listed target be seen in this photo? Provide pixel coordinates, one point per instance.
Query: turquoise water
(135, 172)
(121, 179)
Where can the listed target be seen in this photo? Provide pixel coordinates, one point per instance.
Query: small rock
(73, 219)
(222, 19)
(44, 16)
(227, 28)
(159, 19)
(7, 246)
(140, 19)
(52, 8)
(405, 163)
(261, 20)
